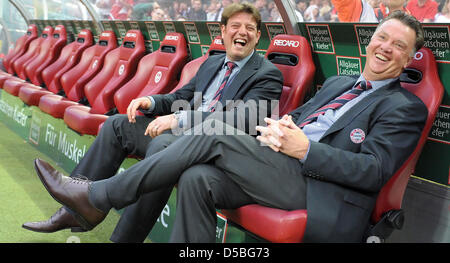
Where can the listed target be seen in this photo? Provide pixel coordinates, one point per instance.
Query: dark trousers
(138, 219)
(118, 139)
(258, 175)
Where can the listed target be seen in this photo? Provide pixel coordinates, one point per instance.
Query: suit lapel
(349, 115)
(250, 68)
(210, 71)
(337, 89)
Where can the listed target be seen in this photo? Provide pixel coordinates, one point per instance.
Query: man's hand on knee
(161, 124)
(139, 103)
(284, 136)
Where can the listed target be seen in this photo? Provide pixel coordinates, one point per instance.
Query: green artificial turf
(24, 198)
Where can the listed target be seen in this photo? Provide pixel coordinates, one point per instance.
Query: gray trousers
(117, 140)
(138, 219)
(258, 175)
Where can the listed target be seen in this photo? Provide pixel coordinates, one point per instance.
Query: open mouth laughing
(381, 57)
(240, 42)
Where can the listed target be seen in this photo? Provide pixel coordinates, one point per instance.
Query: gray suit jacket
(259, 80)
(344, 176)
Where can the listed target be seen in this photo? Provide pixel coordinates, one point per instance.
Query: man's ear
(222, 29)
(408, 62)
(258, 35)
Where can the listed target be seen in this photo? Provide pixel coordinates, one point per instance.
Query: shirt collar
(241, 63)
(376, 84)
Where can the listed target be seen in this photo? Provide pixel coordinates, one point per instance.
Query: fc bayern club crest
(357, 136)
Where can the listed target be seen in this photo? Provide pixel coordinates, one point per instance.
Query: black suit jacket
(259, 80)
(344, 176)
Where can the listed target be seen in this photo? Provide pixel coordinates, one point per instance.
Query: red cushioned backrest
(91, 61)
(157, 72)
(118, 68)
(191, 68)
(292, 55)
(20, 47)
(32, 52)
(70, 55)
(50, 49)
(430, 90)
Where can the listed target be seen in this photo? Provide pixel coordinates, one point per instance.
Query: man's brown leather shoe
(59, 221)
(70, 192)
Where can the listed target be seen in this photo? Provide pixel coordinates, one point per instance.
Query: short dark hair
(409, 21)
(235, 8)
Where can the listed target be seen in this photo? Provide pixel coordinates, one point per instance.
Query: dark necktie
(338, 102)
(230, 65)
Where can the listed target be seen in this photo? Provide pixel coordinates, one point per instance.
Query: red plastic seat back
(157, 72)
(50, 50)
(70, 55)
(91, 61)
(20, 47)
(191, 68)
(32, 52)
(118, 68)
(420, 78)
(292, 55)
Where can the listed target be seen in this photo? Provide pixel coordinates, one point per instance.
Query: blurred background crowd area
(306, 10)
(181, 10)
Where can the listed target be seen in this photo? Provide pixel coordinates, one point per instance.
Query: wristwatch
(177, 116)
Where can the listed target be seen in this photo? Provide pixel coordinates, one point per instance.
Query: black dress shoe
(59, 221)
(70, 192)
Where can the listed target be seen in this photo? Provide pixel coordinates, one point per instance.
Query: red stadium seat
(30, 94)
(157, 72)
(191, 68)
(276, 225)
(292, 55)
(33, 50)
(91, 63)
(13, 85)
(69, 57)
(70, 54)
(420, 78)
(74, 80)
(20, 48)
(50, 50)
(119, 67)
(4, 76)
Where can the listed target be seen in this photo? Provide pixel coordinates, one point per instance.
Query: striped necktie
(230, 65)
(338, 102)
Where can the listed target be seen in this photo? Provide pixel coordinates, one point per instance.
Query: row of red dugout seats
(107, 77)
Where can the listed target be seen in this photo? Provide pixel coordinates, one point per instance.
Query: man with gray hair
(332, 155)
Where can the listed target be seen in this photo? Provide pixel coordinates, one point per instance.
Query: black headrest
(55, 35)
(283, 58)
(80, 40)
(216, 52)
(103, 43)
(168, 49)
(129, 44)
(410, 75)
